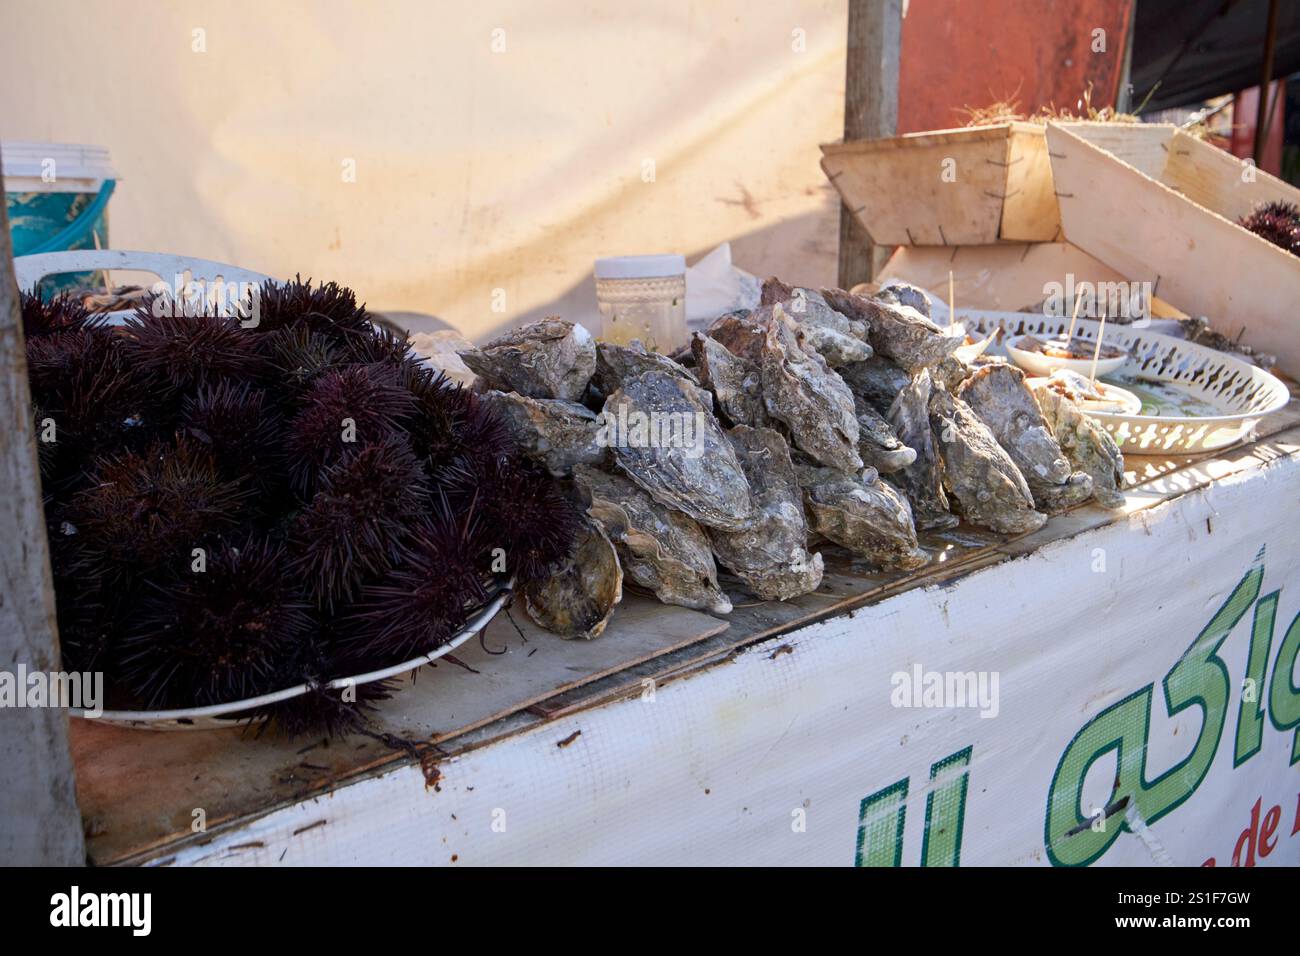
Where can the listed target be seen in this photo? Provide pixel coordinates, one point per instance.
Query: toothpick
(1096, 353)
(1069, 336)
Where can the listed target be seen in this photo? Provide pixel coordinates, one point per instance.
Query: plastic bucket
(57, 196)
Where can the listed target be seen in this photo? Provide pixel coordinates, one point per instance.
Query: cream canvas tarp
(463, 160)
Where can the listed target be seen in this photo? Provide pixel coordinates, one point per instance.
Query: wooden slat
(895, 187)
(1220, 181)
(1144, 146)
(1030, 212)
(1203, 263)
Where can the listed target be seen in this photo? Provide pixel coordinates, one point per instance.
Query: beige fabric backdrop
(497, 145)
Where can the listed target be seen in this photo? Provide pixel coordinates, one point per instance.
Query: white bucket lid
(640, 267)
(71, 160)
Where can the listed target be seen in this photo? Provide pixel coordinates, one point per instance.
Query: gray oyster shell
(922, 480)
(550, 358)
(897, 292)
(999, 396)
(897, 331)
(576, 602)
(978, 474)
(1088, 446)
(950, 373)
(615, 364)
(769, 554)
(864, 514)
(877, 381)
(837, 338)
(659, 549)
(667, 441)
(802, 392)
(878, 446)
(736, 383)
(557, 433)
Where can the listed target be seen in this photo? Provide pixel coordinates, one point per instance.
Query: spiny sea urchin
(1278, 222)
(144, 511)
(355, 523)
(181, 352)
(343, 407)
(217, 634)
(303, 458)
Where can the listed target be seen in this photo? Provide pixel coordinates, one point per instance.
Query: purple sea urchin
(1278, 222)
(181, 352)
(354, 525)
(357, 404)
(302, 458)
(219, 634)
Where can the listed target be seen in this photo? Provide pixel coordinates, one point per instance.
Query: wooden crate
(1151, 200)
(999, 186)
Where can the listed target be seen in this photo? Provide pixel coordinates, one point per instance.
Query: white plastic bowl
(1036, 363)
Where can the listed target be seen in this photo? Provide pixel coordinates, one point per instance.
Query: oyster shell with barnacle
(770, 553)
(659, 549)
(999, 396)
(837, 338)
(736, 383)
(557, 433)
(862, 513)
(1089, 447)
(922, 480)
(802, 392)
(550, 358)
(977, 473)
(667, 441)
(577, 600)
(898, 332)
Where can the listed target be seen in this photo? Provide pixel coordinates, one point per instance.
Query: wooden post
(870, 110)
(39, 820)
(1263, 116)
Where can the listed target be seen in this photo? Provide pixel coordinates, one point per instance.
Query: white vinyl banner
(1127, 696)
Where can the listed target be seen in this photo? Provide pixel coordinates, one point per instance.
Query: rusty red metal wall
(972, 53)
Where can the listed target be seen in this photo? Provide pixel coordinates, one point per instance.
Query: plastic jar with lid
(643, 297)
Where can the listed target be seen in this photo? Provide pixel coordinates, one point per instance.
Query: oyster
(837, 338)
(579, 598)
(1088, 446)
(742, 333)
(999, 396)
(977, 472)
(801, 392)
(736, 383)
(862, 513)
(878, 446)
(659, 549)
(878, 381)
(666, 440)
(950, 373)
(922, 480)
(557, 433)
(615, 364)
(546, 359)
(898, 332)
(769, 554)
(897, 292)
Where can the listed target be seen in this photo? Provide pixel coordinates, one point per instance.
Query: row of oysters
(819, 415)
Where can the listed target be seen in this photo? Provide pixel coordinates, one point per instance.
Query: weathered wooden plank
(39, 821)
(1220, 181)
(1029, 211)
(870, 109)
